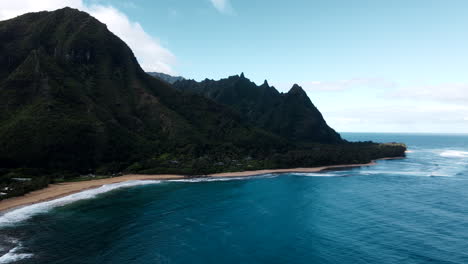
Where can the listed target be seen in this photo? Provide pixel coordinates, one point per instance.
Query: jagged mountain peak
(291, 115)
(297, 90)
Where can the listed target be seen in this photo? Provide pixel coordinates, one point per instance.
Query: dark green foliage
(73, 100)
(19, 181)
(291, 115)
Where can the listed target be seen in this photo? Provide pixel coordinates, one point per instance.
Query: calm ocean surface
(413, 210)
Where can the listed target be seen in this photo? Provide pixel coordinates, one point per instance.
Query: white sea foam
(14, 255)
(26, 212)
(438, 173)
(317, 174)
(454, 154)
(212, 179)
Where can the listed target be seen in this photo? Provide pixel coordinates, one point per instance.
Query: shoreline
(59, 190)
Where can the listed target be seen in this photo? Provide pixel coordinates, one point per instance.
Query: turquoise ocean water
(413, 210)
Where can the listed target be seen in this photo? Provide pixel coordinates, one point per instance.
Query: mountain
(74, 100)
(166, 77)
(74, 96)
(291, 115)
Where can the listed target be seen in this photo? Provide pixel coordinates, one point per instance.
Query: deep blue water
(413, 210)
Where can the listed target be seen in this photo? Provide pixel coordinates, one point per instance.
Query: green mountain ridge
(291, 115)
(74, 100)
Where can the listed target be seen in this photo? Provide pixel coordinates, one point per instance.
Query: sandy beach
(54, 191)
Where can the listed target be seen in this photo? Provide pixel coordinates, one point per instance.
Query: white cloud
(382, 105)
(452, 93)
(341, 85)
(223, 6)
(400, 117)
(151, 55)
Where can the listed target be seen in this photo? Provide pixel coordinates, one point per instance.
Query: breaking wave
(212, 179)
(317, 174)
(15, 253)
(454, 154)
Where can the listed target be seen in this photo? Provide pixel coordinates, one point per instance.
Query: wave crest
(16, 253)
(454, 154)
(317, 174)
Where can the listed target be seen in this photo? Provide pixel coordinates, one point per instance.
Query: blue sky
(373, 66)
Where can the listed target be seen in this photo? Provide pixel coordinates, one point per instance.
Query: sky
(368, 65)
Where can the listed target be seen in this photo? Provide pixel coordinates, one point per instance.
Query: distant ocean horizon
(412, 210)
(349, 134)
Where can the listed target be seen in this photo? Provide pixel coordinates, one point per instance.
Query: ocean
(412, 210)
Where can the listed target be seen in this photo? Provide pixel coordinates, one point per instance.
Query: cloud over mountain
(223, 6)
(150, 53)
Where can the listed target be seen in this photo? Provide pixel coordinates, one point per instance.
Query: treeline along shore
(58, 190)
(18, 181)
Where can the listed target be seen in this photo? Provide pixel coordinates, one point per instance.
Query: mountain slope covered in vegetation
(290, 115)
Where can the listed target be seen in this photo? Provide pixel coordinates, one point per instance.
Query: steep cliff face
(74, 96)
(291, 115)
